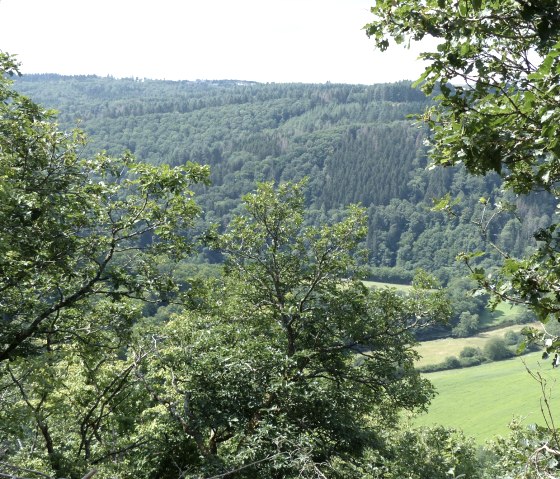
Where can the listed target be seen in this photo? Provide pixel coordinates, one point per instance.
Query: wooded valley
(227, 279)
(354, 143)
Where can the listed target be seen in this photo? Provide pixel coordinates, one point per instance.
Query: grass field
(483, 400)
(377, 284)
(434, 352)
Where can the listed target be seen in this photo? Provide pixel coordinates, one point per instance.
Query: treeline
(355, 143)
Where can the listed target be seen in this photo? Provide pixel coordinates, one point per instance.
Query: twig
(19, 468)
(268, 458)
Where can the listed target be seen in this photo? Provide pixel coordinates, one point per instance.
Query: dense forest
(354, 143)
(182, 286)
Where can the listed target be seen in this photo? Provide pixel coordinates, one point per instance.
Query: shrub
(467, 326)
(430, 368)
(470, 352)
(451, 362)
(472, 361)
(512, 338)
(525, 317)
(496, 349)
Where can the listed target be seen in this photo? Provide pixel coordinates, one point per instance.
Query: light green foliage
(507, 456)
(81, 244)
(432, 452)
(294, 367)
(75, 228)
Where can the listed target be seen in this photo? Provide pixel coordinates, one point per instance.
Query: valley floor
(483, 400)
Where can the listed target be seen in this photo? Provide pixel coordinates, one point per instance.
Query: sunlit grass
(435, 351)
(378, 284)
(483, 400)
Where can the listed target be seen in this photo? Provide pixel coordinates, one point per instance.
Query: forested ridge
(355, 143)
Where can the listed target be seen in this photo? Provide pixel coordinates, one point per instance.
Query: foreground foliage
(81, 243)
(295, 368)
(496, 71)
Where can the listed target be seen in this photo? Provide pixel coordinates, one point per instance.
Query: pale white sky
(310, 41)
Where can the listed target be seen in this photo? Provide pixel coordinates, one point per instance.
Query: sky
(304, 41)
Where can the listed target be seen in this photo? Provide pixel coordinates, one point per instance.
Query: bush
(430, 368)
(467, 326)
(512, 338)
(525, 317)
(496, 349)
(472, 361)
(451, 362)
(470, 352)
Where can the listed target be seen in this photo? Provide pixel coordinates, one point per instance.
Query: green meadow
(483, 400)
(378, 284)
(435, 351)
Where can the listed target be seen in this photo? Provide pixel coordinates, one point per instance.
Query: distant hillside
(356, 143)
(346, 138)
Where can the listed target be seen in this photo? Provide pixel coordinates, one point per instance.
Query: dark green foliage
(496, 349)
(468, 324)
(353, 142)
(470, 352)
(451, 362)
(390, 275)
(511, 338)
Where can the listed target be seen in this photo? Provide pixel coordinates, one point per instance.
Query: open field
(502, 314)
(482, 400)
(377, 284)
(434, 352)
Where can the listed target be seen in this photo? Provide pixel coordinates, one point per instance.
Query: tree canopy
(297, 368)
(82, 243)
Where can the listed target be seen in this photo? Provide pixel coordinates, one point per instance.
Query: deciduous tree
(81, 244)
(295, 366)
